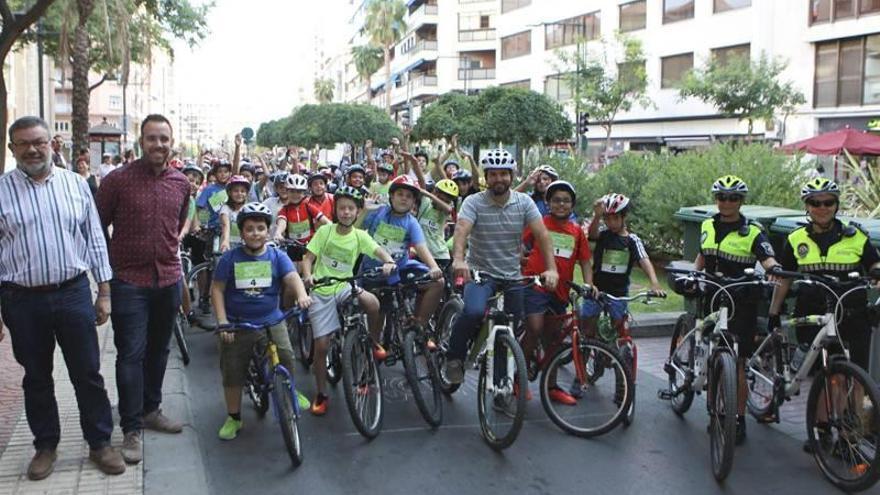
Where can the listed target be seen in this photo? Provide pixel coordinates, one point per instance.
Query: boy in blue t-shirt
(247, 287)
(395, 229)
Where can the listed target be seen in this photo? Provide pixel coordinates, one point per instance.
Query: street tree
(367, 60)
(385, 26)
(329, 124)
(743, 89)
(324, 90)
(452, 113)
(13, 27)
(606, 83)
(108, 36)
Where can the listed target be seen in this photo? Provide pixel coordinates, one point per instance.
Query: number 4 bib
(253, 274)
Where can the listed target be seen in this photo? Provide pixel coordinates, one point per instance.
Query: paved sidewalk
(74, 473)
(11, 396)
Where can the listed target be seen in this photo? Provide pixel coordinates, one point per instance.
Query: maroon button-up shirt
(147, 212)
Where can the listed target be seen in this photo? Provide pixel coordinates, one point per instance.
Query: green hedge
(660, 184)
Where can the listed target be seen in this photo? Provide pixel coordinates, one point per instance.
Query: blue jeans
(143, 319)
(36, 320)
(476, 297)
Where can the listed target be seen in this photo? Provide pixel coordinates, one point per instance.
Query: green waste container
(693, 216)
(785, 226)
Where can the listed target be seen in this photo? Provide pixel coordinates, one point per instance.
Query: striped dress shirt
(50, 232)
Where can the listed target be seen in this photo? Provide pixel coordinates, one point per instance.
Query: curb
(654, 324)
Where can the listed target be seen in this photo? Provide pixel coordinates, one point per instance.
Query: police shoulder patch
(803, 249)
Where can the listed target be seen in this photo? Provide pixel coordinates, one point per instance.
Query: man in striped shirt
(50, 236)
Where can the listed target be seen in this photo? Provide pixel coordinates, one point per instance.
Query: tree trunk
(749, 137)
(80, 79)
(369, 89)
(4, 119)
(607, 146)
(387, 52)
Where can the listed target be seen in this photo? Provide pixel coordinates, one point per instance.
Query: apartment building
(832, 47)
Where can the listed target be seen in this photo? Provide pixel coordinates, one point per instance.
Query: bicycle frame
(705, 347)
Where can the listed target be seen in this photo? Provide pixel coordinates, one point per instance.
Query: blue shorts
(539, 302)
(616, 309)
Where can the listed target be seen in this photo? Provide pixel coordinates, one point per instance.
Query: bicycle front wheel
(180, 328)
(680, 365)
(283, 395)
(420, 366)
(761, 377)
(300, 332)
(722, 414)
(628, 355)
(362, 383)
(586, 390)
(501, 402)
(843, 425)
(448, 314)
(256, 388)
(334, 360)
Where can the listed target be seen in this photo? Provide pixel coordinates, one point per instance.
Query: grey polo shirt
(495, 243)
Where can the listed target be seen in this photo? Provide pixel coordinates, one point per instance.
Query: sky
(255, 56)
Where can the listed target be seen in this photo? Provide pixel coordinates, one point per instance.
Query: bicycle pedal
(664, 394)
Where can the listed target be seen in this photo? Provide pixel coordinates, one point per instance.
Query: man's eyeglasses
(828, 203)
(732, 198)
(560, 201)
(40, 143)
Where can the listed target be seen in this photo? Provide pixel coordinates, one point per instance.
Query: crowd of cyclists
(284, 224)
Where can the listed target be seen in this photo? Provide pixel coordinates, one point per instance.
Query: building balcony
(477, 35)
(476, 74)
(426, 14)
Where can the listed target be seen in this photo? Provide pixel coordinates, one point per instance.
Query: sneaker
(559, 396)
(319, 406)
(132, 448)
(303, 401)
(740, 430)
(230, 428)
(431, 345)
(159, 422)
(576, 390)
(379, 353)
(453, 370)
(42, 464)
(108, 460)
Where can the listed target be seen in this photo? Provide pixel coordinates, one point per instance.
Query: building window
(725, 5)
(633, 16)
(508, 5)
(869, 6)
(844, 9)
(524, 84)
(847, 72)
(629, 71)
(677, 10)
(476, 26)
(832, 10)
(556, 87)
(723, 55)
(516, 45)
(115, 102)
(674, 68)
(568, 31)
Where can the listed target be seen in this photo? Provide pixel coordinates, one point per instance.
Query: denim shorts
(616, 309)
(538, 302)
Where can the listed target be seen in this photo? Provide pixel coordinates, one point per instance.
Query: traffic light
(582, 121)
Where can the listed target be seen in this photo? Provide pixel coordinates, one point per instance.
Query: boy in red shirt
(571, 248)
(298, 219)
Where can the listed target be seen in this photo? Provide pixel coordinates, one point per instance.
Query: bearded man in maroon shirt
(146, 203)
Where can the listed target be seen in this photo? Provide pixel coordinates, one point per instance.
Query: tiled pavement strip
(74, 473)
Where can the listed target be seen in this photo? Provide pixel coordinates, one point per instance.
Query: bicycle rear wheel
(300, 332)
(680, 365)
(181, 325)
(500, 405)
(420, 365)
(200, 298)
(256, 388)
(284, 397)
(597, 378)
(448, 314)
(362, 383)
(722, 414)
(628, 356)
(843, 425)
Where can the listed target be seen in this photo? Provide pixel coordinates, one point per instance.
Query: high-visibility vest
(736, 246)
(844, 255)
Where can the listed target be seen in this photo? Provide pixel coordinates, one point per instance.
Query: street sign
(247, 134)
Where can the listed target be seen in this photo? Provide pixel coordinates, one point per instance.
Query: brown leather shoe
(161, 423)
(42, 464)
(132, 448)
(108, 460)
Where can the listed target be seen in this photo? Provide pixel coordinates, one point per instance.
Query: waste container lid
(765, 215)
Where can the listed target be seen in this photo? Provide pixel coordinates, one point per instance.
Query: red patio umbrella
(833, 143)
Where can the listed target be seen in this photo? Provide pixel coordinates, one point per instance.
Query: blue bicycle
(267, 377)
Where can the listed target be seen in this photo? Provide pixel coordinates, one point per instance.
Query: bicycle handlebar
(248, 326)
(371, 274)
(586, 291)
(529, 281)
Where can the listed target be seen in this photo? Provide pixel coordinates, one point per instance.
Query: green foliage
(607, 84)
(367, 60)
(743, 89)
(661, 184)
(329, 124)
(861, 193)
(385, 22)
(324, 89)
(497, 114)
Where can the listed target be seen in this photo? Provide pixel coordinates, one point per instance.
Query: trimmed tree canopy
(329, 124)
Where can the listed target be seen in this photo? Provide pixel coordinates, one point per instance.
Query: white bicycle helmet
(615, 203)
(547, 169)
(498, 159)
(254, 210)
(296, 182)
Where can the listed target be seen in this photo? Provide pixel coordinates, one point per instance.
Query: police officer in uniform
(828, 246)
(729, 244)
